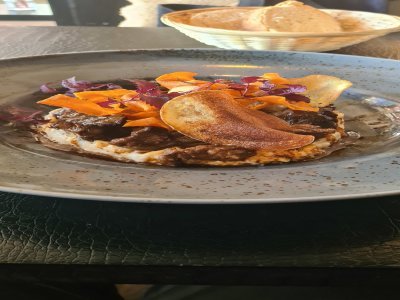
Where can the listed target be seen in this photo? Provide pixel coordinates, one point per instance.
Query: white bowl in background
(358, 27)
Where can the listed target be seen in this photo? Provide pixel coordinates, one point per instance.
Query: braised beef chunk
(325, 118)
(183, 140)
(206, 152)
(91, 127)
(153, 138)
(313, 130)
(143, 138)
(109, 128)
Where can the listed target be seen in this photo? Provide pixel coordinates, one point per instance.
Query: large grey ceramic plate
(369, 168)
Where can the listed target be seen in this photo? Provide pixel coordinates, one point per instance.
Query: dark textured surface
(183, 240)
(342, 234)
(59, 239)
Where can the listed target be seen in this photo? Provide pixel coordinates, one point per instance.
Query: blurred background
(141, 13)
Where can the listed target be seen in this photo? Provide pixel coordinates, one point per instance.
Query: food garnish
(180, 119)
(142, 106)
(20, 115)
(215, 117)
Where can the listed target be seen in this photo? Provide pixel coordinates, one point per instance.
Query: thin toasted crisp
(214, 117)
(322, 89)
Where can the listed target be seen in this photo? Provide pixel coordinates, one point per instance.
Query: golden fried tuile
(215, 117)
(322, 89)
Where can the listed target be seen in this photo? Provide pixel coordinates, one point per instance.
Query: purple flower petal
(238, 86)
(156, 101)
(150, 93)
(267, 86)
(146, 87)
(297, 97)
(108, 103)
(296, 88)
(107, 86)
(44, 88)
(71, 85)
(290, 89)
(74, 85)
(113, 86)
(280, 92)
(250, 79)
(20, 115)
(175, 94)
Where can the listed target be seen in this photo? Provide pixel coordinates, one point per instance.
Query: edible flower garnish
(141, 105)
(71, 85)
(16, 116)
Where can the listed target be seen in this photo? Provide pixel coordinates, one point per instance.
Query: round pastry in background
(223, 18)
(289, 26)
(290, 16)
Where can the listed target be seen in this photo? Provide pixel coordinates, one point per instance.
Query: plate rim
(216, 201)
(208, 49)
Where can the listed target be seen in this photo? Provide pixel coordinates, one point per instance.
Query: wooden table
(342, 242)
